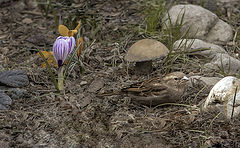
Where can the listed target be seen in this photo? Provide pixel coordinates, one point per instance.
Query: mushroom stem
(144, 67)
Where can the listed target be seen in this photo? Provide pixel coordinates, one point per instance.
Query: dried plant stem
(211, 123)
(234, 99)
(60, 78)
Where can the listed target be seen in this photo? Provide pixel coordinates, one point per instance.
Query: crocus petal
(71, 44)
(60, 50)
(62, 47)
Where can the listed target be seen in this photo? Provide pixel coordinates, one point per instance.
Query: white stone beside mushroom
(222, 96)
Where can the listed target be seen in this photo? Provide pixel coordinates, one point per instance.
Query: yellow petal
(43, 65)
(63, 30)
(46, 54)
(80, 41)
(50, 59)
(72, 32)
(79, 24)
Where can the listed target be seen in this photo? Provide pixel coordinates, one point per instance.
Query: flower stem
(49, 70)
(60, 78)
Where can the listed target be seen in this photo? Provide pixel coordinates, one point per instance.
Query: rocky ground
(93, 112)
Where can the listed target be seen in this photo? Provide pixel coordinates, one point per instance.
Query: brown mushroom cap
(146, 50)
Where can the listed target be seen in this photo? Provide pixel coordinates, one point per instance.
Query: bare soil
(82, 117)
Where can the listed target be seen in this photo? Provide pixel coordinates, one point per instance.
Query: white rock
(224, 62)
(195, 44)
(203, 24)
(222, 96)
(83, 82)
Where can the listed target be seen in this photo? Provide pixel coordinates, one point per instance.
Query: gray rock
(195, 17)
(2, 107)
(202, 23)
(14, 78)
(17, 93)
(227, 1)
(5, 100)
(196, 45)
(220, 33)
(225, 63)
(207, 81)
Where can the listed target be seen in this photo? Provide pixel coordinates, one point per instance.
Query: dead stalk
(234, 99)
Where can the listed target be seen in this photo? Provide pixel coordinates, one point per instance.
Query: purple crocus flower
(62, 47)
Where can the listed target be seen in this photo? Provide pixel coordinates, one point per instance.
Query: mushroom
(143, 52)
